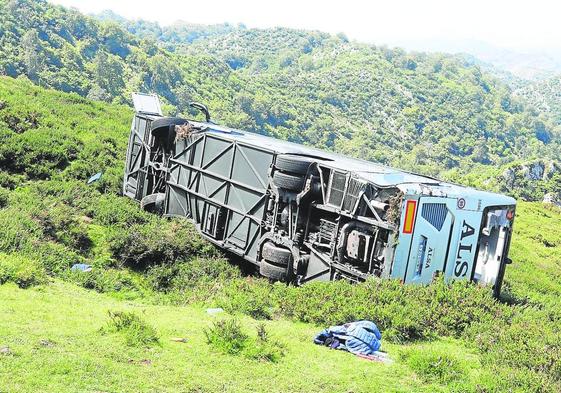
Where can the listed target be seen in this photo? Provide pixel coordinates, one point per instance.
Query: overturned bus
(300, 214)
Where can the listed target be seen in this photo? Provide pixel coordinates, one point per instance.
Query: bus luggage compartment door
(137, 159)
(214, 220)
(431, 238)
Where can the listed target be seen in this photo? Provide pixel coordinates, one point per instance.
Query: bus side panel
(222, 185)
(463, 245)
(430, 244)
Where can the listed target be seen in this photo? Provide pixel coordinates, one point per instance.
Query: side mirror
(201, 108)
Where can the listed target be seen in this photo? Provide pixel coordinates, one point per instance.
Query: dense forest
(436, 114)
(545, 95)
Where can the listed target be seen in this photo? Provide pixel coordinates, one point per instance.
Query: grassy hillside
(440, 115)
(447, 338)
(57, 344)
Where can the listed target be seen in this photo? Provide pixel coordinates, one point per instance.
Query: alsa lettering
(429, 258)
(464, 251)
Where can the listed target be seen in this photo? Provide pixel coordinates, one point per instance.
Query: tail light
(409, 222)
(510, 214)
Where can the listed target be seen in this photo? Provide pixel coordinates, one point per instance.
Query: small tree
(108, 73)
(32, 54)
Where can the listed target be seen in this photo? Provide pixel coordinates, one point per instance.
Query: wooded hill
(436, 114)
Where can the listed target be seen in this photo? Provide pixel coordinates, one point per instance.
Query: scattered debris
(183, 131)
(6, 351)
(179, 339)
(394, 211)
(145, 362)
(81, 267)
(378, 356)
(361, 338)
(214, 311)
(95, 178)
(46, 343)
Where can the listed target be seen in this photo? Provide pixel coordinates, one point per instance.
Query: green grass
(536, 253)
(56, 345)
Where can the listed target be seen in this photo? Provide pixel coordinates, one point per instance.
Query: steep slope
(51, 219)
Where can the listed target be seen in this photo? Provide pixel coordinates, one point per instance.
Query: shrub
(44, 229)
(529, 341)
(23, 271)
(205, 274)
(264, 348)
(55, 257)
(60, 223)
(122, 282)
(136, 331)
(252, 296)
(18, 229)
(435, 366)
(227, 336)
(4, 197)
(39, 153)
(76, 194)
(10, 180)
(115, 210)
(157, 242)
(404, 312)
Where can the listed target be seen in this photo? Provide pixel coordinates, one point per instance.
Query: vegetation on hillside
(544, 95)
(433, 113)
(57, 341)
(52, 219)
(436, 114)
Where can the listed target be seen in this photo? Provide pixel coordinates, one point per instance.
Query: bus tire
(288, 182)
(273, 272)
(153, 203)
(276, 255)
(294, 164)
(163, 127)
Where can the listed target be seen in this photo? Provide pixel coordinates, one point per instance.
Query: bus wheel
(276, 255)
(288, 182)
(153, 203)
(274, 272)
(294, 164)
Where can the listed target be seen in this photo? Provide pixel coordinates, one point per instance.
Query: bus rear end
(465, 237)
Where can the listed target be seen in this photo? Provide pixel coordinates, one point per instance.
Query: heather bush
(159, 241)
(227, 336)
(135, 330)
(435, 365)
(24, 272)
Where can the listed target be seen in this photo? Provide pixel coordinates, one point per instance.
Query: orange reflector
(510, 215)
(409, 222)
